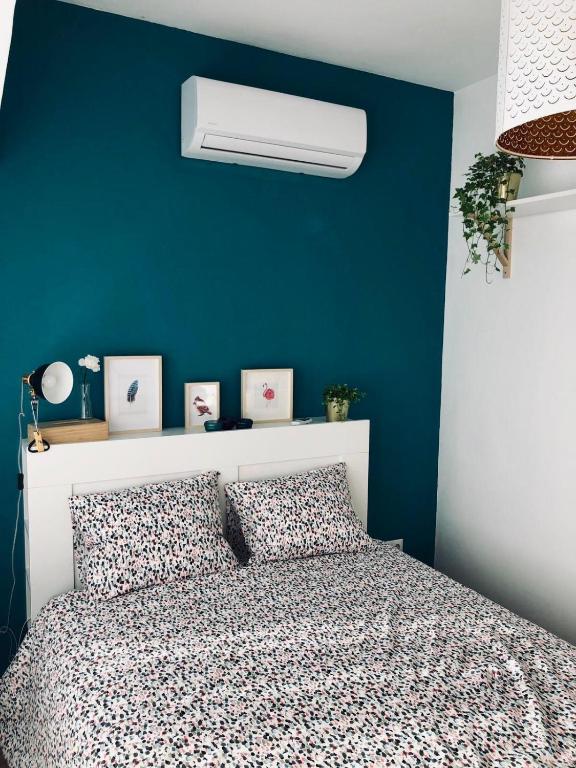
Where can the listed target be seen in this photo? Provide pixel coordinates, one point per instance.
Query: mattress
(367, 659)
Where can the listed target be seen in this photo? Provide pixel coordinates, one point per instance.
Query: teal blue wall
(111, 243)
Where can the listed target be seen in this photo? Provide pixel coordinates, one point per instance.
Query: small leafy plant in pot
(492, 182)
(337, 399)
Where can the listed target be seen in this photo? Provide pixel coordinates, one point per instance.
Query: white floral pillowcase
(152, 534)
(295, 516)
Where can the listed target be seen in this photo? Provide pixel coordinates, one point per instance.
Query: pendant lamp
(536, 113)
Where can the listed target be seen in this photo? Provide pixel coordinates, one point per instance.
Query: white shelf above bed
(176, 431)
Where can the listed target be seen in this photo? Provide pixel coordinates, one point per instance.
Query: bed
(367, 659)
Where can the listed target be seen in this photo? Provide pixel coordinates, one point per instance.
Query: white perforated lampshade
(536, 115)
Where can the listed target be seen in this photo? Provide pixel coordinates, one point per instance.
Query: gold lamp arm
(38, 444)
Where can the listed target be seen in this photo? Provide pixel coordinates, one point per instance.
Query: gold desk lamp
(51, 382)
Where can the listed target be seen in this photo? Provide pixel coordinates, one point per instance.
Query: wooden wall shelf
(532, 206)
(554, 201)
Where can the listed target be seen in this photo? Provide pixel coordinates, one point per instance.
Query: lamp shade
(52, 382)
(536, 113)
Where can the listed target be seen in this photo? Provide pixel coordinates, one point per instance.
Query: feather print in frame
(132, 391)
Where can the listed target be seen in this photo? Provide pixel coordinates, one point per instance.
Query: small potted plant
(337, 399)
(89, 363)
(492, 182)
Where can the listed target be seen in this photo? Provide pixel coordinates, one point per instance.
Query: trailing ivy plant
(484, 213)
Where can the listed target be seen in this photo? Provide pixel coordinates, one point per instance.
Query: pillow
(295, 516)
(153, 534)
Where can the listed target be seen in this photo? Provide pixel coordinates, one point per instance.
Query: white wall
(507, 468)
(6, 15)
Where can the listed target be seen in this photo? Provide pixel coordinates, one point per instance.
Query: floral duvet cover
(367, 659)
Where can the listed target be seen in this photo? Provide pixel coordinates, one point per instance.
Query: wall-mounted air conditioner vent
(6, 19)
(249, 126)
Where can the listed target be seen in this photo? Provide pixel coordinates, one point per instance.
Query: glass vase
(85, 401)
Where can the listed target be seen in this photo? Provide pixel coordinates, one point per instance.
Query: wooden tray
(72, 431)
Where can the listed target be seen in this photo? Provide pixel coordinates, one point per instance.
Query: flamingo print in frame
(267, 394)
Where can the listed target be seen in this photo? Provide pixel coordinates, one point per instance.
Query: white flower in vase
(89, 363)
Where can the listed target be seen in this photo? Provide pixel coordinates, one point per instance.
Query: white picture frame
(267, 394)
(201, 403)
(133, 393)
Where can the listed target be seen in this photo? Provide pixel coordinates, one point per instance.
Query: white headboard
(266, 451)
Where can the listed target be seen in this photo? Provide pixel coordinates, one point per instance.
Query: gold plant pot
(337, 410)
(509, 186)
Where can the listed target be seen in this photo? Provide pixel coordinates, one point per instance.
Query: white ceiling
(443, 43)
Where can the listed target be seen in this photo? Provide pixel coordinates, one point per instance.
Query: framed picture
(201, 403)
(133, 393)
(267, 394)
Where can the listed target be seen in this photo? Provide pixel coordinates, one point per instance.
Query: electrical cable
(7, 629)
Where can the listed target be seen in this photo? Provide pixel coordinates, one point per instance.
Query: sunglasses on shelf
(224, 425)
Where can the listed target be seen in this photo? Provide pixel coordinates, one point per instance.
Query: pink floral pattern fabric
(295, 516)
(152, 534)
(367, 660)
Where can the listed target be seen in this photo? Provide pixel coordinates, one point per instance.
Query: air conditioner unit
(6, 19)
(250, 126)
